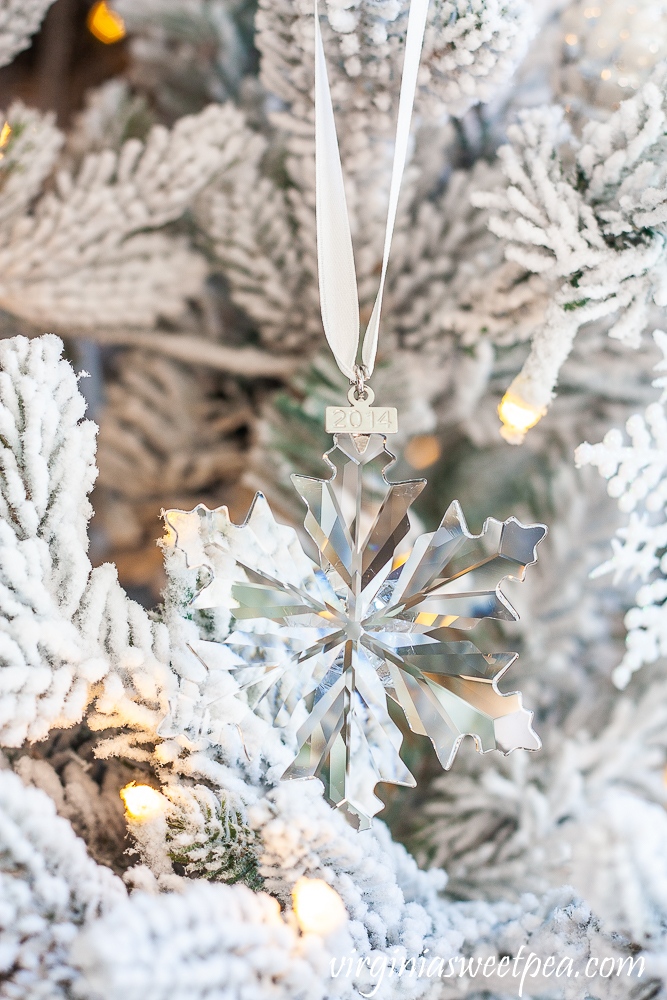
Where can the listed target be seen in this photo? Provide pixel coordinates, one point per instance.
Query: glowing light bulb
(571, 39)
(105, 24)
(142, 801)
(422, 451)
(4, 136)
(318, 908)
(517, 417)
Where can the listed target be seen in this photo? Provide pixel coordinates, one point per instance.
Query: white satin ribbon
(339, 300)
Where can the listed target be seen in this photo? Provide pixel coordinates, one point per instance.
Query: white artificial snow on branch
(595, 228)
(84, 254)
(19, 20)
(589, 811)
(48, 888)
(471, 47)
(204, 938)
(61, 626)
(195, 45)
(208, 940)
(252, 226)
(637, 474)
(47, 468)
(28, 157)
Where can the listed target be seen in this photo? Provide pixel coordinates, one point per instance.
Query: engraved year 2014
(361, 420)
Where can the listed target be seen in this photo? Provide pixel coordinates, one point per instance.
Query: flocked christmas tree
(163, 228)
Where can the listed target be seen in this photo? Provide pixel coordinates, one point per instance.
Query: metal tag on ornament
(361, 417)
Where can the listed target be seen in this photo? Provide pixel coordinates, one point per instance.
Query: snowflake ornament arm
(365, 626)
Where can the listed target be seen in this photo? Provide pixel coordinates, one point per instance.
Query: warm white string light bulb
(517, 416)
(318, 908)
(142, 802)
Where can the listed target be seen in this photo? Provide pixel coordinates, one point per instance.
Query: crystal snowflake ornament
(329, 644)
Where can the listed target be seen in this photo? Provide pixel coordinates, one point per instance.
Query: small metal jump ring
(361, 374)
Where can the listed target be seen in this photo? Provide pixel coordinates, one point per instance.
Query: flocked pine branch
(205, 940)
(165, 433)
(470, 48)
(50, 887)
(593, 227)
(19, 20)
(637, 479)
(185, 53)
(47, 471)
(590, 809)
(62, 625)
(91, 253)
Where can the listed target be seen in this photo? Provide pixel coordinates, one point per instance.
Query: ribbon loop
(339, 299)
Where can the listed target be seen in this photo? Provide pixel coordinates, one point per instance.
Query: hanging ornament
(331, 643)
(365, 626)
